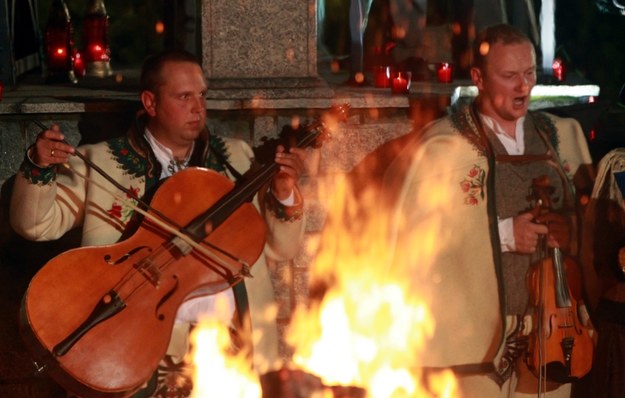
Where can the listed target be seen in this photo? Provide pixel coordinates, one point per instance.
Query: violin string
(541, 309)
(145, 282)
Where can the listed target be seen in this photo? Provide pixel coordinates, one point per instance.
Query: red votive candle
(400, 82)
(558, 69)
(79, 65)
(382, 76)
(444, 72)
(58, 58)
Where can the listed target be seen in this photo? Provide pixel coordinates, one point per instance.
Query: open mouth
(520, 101)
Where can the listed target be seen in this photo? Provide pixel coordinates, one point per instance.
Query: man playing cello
(170, 135)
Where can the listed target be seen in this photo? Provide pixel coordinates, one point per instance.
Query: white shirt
(514, 146)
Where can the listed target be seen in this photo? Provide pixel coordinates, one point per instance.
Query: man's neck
(178, 151)
(507, 127)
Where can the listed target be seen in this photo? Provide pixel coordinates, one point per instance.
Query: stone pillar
(260, 43)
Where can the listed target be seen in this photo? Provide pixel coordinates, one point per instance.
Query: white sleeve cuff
(290, 201)
(506, 234)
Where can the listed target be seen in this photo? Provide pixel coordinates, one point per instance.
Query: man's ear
(476, 77)
(148, 99)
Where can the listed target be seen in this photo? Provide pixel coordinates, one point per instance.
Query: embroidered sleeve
(36, 174)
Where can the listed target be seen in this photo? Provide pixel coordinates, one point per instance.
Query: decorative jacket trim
(463, 119)
(35, 174)
(133, 154)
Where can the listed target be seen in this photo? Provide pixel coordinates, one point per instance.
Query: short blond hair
(486, 38)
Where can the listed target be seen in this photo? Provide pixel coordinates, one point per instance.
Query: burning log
(294, 383)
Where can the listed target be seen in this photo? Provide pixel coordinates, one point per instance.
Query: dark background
(590, 34)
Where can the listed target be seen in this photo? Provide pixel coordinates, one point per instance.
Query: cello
(560, 347)
(99, 319)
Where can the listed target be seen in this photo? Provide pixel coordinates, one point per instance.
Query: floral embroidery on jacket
(121, 212)
(473, 185)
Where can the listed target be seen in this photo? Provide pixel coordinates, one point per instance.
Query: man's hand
(291, 168)
(50, 149)
(559, 229)
(527, 232)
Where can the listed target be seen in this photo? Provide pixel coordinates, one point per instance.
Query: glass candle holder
(400, 82)
(96, 51)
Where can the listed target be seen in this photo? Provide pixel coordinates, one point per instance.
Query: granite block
(259, 39)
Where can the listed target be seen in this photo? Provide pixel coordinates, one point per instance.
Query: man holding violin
(170, 135)
(492, 164)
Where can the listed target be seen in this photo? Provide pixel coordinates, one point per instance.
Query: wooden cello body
(99, 319)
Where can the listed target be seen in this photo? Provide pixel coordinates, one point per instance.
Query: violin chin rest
(558, 372)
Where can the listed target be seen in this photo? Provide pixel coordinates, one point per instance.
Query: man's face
(507, 81)
(178, 110)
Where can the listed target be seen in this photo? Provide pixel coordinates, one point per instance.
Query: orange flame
(218, 371)
(370, 327)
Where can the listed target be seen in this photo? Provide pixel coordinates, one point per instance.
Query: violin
(560, 347)
(99, 319)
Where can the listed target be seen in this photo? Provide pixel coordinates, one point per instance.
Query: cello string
(311, 133)
(132, 195)
(263, 175)
(159, 223)
(150, 267)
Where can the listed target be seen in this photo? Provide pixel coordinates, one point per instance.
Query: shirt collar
(165, 156)
(514, 146)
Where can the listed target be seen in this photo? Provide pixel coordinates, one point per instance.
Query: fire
(218, 372)
(369, 328)
(368, 320)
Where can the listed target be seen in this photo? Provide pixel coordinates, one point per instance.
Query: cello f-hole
(108, 258)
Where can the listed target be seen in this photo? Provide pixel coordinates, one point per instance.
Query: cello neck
(255, 179)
